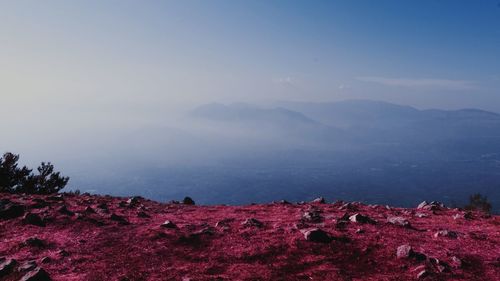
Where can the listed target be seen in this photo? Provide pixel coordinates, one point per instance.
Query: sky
(68, 62)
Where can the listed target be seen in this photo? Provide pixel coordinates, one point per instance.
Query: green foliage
(15, 179)
(479, 203)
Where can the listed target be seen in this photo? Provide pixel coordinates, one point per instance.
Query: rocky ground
(84, 237)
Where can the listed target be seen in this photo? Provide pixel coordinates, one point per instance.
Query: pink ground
(211, 243)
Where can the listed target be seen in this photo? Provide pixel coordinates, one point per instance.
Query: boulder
(39, 274)
(33, 219)
(317, 235)
(432, 206)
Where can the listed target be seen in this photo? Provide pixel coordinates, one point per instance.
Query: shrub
(15, 179)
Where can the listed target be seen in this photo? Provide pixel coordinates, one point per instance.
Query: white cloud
(429, 83)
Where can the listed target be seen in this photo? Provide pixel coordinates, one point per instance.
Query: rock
(39, 203)
(58, 197)
(34, 242)
(39, 274)
(118, 218)
(102, 206)
(446, 233)
(317, 235)
(404, 251)
(439, 265)
(9, 210)
(456, 262)
(63, 253)
(64, 210)
(224, 223)
(46, 260)
(399, 221)
(432, 206)
(358, 218)
(168, 224)
(283, 202)
(7, 266)
(253, 222)
(312, 216)
(27, 266)
(422, 274)
(89, 210)
(360, 231)
(421, 215)
(465, 215)
(319, 200)
(142, 214)
(33, 219)
(348, 207)
(188, 201)
(133, 200)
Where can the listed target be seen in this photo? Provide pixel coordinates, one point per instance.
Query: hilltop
(91, 237)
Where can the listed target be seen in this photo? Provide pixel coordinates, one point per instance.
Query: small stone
(188, 201)
(317, 235)
(33, 219)
(168, 224)
(253, 222)
(39, 274)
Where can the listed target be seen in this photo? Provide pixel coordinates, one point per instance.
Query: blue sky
(117, 56)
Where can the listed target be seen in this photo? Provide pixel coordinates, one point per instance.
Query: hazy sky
(119, 58)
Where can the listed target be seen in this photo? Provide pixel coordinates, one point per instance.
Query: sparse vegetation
(16, 179)
(479, 202)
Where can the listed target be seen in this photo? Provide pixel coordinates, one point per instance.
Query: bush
(15, 179)
(478, 202)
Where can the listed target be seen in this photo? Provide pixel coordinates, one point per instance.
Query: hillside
(88, 237)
